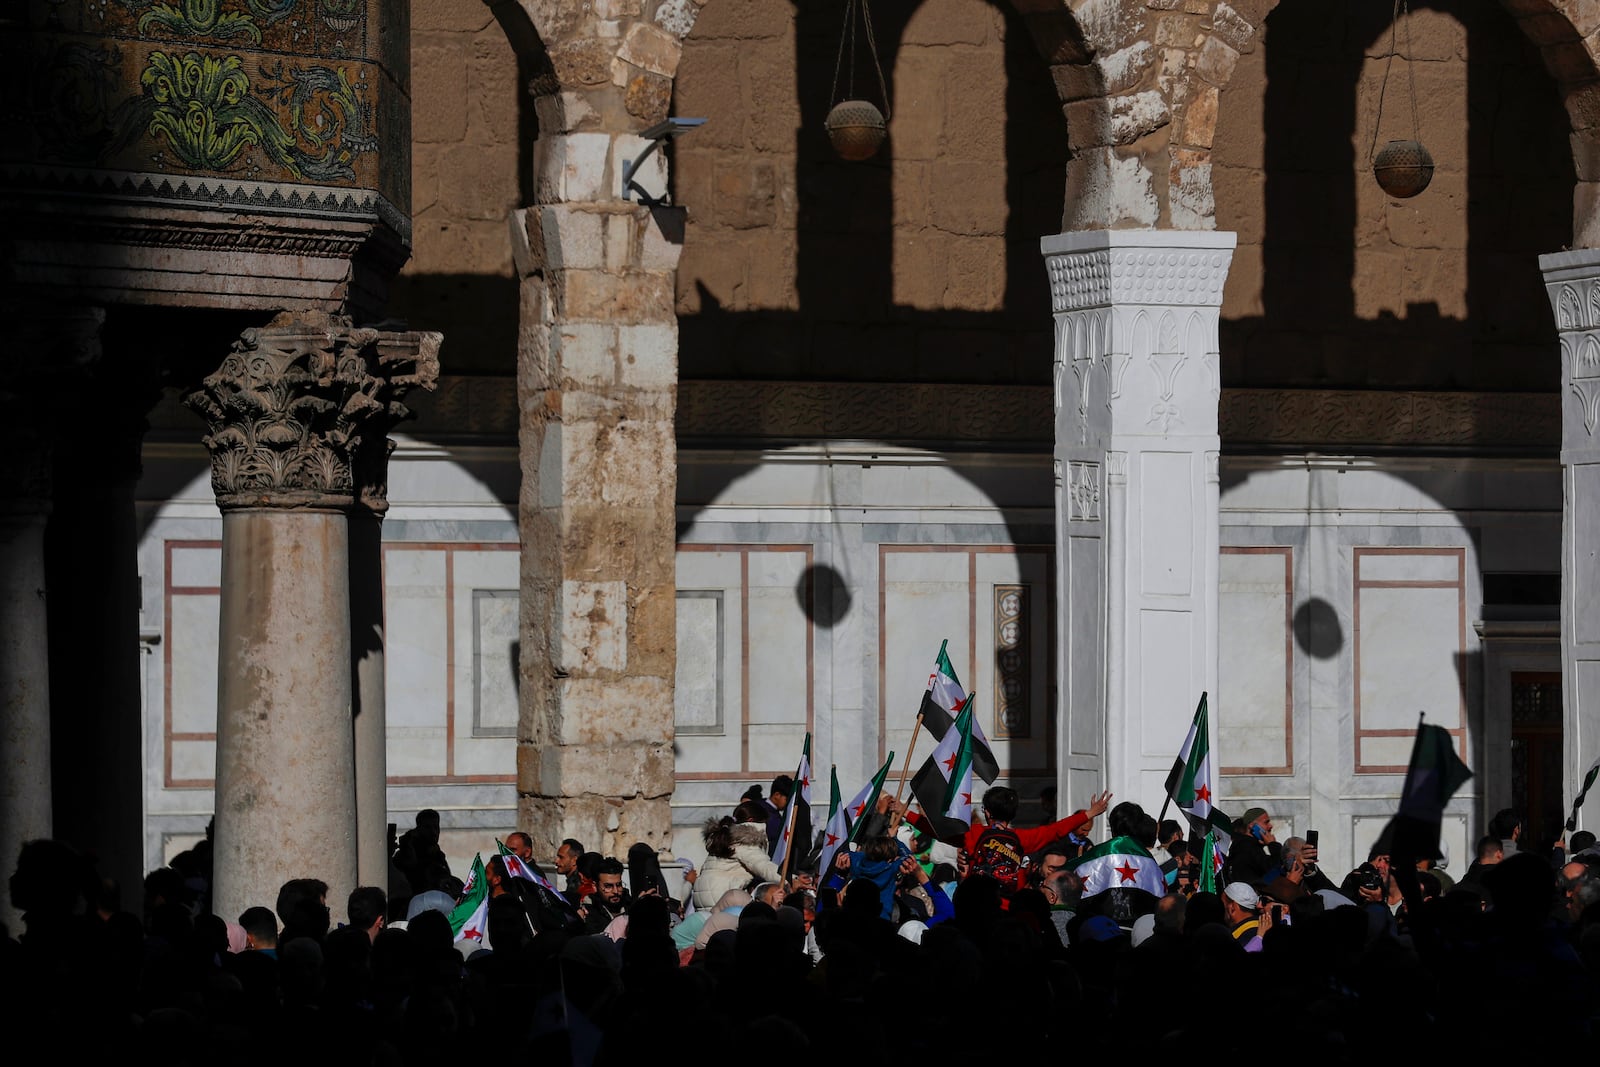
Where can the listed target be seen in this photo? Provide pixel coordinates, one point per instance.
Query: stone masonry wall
(1335, 283)
(921, 262)
(465, 159)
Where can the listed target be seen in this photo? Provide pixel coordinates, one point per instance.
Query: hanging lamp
(1402, 168)
(856, 127)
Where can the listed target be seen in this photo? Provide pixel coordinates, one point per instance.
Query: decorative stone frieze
(292, 404)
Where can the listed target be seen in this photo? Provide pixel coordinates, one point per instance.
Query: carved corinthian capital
(405, 361)
(297, 402)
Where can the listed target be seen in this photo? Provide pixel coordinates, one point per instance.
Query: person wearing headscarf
(645, 877)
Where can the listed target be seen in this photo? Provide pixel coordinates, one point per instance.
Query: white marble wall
(908, 548)
(919, 547)
(1350, 592)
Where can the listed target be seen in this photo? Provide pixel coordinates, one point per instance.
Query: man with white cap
(1241, 906)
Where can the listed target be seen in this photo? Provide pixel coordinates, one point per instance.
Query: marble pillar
(407, 361)
(287, 411)
(1572, 280)
(1136, 391)
(33, 392)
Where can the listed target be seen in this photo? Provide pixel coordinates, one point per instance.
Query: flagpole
(906, 767)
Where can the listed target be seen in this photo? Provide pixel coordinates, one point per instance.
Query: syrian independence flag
(1434, 775)
(797, 815)
(1583, 790)
(954, 760)
(942, 702)
(1212, 854)
(469, 919)
(1121, 863)
(516, 868)
(845, 821)
(1193, 776)
(943, 786)
(837, 832)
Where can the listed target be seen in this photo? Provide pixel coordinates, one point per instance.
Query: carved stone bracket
(1572, 280)
(299, 404)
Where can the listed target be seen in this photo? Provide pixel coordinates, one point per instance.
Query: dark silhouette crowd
(893, 952)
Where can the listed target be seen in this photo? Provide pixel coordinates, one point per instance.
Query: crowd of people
(1014, 939)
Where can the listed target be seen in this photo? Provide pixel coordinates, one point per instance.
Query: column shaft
(25, 812)
(367, 679)
(1572, 280)
(1136, 375)
(285, 795)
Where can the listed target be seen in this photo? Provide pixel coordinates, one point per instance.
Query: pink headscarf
(236, 938)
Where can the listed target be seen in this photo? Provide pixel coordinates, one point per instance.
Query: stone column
(1136, 389)
(32, 389)
(406, 361)
(597, 380)
(1572, 280)
(287, 411)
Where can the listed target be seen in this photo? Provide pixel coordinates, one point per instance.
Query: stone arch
(1566, 32)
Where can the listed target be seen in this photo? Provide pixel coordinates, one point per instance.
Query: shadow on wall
(1515, 195)
(847, 327)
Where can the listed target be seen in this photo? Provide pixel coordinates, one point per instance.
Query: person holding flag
(795, 832)
(1120, 878)
(942, 703)
(995, 849)
(845, 821)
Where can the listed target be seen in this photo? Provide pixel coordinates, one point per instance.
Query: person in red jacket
(999, 850)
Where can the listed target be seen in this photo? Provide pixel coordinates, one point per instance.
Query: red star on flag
(472, 933)
(966, 798)
(1203, 793)
(832, 840)
(1128, 871)
(805, 783)
(950, 764)
(861, 807)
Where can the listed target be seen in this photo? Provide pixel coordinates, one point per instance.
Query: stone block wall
(1337, 284)
(920, 263)
(468, 145)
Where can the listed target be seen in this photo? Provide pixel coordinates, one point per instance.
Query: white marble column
(34, 391)
(1136, 389)
(288, 410)
(1572, 280)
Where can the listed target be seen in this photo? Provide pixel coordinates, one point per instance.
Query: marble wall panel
(192, 677)
(416, 661)
(716, 571)
(1086, 575)
(1166, 521)
(1584, 567)
(766, 670)
(494, 662)
(698, 707)
(1410, 639)
(926, 598)
(190, 566)
(475, 753)
(778, 647)
(1252, 712)
(1166, 690)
